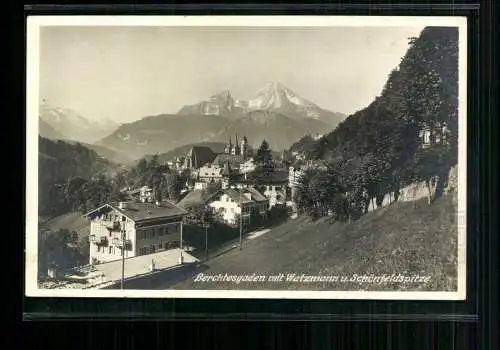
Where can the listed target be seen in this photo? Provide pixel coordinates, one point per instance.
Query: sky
(127, 73)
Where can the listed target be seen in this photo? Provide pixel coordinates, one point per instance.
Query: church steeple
(229, 146)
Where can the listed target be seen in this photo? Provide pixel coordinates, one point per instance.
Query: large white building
(133, 229)
(230, 203)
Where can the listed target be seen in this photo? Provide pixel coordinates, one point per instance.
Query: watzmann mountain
(274, 97)
(276, 114)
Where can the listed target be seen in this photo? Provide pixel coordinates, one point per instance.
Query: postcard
(282, 157)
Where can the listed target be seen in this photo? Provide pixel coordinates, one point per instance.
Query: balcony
(99, 240)
(118, 242)
(113, 225)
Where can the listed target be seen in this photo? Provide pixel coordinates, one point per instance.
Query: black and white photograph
(246, 157)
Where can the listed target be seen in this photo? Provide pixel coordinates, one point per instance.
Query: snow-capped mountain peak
(277, 95)
(73, 125)
(273, 97)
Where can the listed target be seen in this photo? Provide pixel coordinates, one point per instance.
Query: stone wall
(419, 190)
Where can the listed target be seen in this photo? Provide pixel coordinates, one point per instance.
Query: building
(210, 172)
(238, 148)
(435, 134)
(197, 156)
(200, 185)
(133, 229)
(247, 166)
(235, 160)
(176, 163)
(274, 186)
(146, 194)
(228, 204)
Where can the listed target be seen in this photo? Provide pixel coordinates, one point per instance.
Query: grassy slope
(396, 239)
(72, 221)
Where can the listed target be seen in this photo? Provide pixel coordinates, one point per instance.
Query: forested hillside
(70, 175)
(378, 149)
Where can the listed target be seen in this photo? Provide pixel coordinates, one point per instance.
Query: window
(124, 219)
(109, 250)
(160, 246)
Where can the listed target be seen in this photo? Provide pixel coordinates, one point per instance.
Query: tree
(58, 248)
(174, 182)
(263, 160)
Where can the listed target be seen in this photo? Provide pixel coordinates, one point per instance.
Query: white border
(35, 22)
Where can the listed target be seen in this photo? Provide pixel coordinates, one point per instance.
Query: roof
(271, 178)
(256, 195)
(236, 195)
(195, 197)
(227, 169)
(201, 155)
(234, 160)
(138, 211)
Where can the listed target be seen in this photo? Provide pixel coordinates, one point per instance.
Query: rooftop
(272, 177)
(138, 211)
(236, 195)
(256, 195)
(195, 197)
(234, 160)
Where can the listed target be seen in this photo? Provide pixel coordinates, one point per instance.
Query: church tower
(229, 147)
(236, 148)
(244, 146)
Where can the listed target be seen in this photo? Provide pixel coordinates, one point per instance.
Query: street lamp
(206, 225)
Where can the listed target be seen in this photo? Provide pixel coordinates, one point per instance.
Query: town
(268, 186)
(240, 190)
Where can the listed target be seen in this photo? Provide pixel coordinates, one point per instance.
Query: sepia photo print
(251, 157)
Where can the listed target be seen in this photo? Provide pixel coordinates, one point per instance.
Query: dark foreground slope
(403, 238)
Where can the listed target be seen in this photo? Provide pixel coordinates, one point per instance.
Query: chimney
(122, 205)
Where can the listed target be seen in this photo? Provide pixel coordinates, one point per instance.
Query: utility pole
(241, 223)
(123, 256)
(205, 225)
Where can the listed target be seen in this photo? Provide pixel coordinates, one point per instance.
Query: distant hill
(71, 221)
(47, 131)
(162, 133)
(60, 160)
(278, 129)
(217, 147)
(109, 154)
(303, 145)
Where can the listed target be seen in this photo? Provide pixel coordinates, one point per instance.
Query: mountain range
(66, 124)
(276, 114)
(55, 123)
